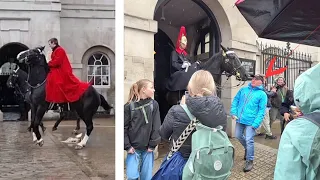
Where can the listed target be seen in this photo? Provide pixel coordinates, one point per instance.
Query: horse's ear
(223, 48)
(42, 48)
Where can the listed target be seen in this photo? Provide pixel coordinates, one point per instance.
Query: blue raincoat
(249, 105)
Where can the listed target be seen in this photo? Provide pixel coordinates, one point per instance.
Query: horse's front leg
(38, 118)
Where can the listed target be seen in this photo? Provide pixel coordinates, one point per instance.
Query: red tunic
(62, 86)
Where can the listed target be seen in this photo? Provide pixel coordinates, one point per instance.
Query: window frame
(101, 66)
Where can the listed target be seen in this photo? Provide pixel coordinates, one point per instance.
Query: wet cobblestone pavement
(264, 163)
(21, 159)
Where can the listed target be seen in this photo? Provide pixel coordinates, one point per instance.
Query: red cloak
(62, 86)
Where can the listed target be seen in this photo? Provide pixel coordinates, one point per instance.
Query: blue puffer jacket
(249, 105)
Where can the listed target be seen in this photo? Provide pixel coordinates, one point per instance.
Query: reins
(27, 81)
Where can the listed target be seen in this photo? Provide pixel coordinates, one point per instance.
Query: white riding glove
(185, 64)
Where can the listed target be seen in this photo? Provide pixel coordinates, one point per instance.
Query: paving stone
(264, 163)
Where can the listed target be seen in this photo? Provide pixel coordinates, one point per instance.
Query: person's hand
(183, 100)
(234, 117)
(274, 89)
(131, 150)
(185, 64)
(286, 116)
(150, 150)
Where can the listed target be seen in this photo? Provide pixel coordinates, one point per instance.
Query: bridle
(233, 72)
(29, 70)
(15, 85)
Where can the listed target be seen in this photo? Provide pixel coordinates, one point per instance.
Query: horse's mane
(213, 60)
(45, 64)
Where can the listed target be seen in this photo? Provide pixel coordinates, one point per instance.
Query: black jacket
(177, 61)
(137, 132)
(208, 110)
(285, 106)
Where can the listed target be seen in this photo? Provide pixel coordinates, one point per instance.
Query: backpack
(212, 155)
(133, 108)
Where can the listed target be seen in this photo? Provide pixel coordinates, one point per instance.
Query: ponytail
(134, 94)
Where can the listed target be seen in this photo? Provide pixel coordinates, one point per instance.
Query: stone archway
(8, 103)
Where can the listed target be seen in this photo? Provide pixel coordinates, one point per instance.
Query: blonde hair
(134, 94)
(202, 82)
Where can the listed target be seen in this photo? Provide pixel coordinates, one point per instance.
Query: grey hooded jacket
(208, 110)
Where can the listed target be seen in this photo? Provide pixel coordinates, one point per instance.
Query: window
(99, 70)
(204, 42)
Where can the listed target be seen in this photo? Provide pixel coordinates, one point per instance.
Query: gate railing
(296, 62)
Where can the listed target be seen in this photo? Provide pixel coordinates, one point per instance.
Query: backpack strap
(133, 108)
(313, 117)
(185, 134)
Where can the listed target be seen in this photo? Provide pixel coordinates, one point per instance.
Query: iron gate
(296, 62)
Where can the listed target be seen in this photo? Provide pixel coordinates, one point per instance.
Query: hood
(307, 90)
(208, 109)
(261, 87)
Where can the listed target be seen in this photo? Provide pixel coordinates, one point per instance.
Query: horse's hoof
(75, 132)
(40, 142)
(54, 129)
(79, 146)
(29, 129)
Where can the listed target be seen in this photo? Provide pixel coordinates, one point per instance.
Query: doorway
(8, 100)
(203, 36)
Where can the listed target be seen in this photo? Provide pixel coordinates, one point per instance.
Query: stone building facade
(144, 19)
(85, 28)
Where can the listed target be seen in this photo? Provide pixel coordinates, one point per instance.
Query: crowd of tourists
(195, 128)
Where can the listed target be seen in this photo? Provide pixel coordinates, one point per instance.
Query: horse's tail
(104, 103)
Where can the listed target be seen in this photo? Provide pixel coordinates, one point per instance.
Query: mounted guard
(62, 85)
(181, 68)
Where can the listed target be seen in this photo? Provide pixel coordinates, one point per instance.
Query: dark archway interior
(171, 14)
(163, 47)
(8, 53)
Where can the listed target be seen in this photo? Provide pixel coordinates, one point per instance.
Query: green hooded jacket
(299, 150)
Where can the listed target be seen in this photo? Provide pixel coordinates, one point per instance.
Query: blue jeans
(246, 140)
(139, 164)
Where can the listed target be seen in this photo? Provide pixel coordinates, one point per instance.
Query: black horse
(223, 61)
(65, 108)
(85, 107)
(18, 81)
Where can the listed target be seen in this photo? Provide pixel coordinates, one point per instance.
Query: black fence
(295, 61)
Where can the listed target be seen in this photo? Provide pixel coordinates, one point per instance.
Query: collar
(53, 49)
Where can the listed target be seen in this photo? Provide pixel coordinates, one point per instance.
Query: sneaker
(249, 166)
(270, 137)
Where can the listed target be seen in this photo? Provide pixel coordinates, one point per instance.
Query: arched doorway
(203, 34)
(8, 102)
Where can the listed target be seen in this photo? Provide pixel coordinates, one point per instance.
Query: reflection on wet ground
(21, 159)
(99, 153)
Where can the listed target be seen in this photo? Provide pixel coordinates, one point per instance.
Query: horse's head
(32, 56)
(232, 65)
(13, 78)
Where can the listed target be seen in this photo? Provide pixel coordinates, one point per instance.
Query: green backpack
(212, 155)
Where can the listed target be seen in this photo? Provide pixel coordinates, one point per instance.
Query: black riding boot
(249, 166)
(245, 155)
